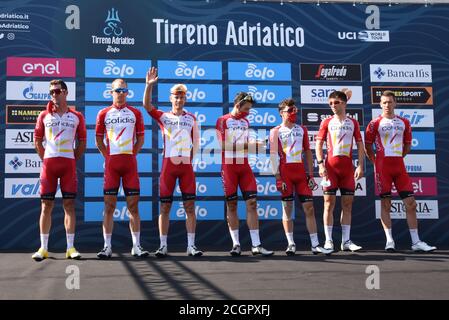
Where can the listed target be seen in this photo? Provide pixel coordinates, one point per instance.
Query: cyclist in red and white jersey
(337, 169)
(289, 142)
(233, 135)
(181, 141)
(392, 136)
(60, 128)
(122, 127)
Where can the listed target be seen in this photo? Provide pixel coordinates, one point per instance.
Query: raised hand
(151, 77)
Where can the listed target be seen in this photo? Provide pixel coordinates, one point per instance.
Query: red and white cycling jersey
(121, 125)
(234, 131)
(60, 132)
(289, 143)
(389, 135)
(178, 132)
(339, 135)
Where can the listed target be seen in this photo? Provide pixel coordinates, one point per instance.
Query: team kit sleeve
(323, 130)
(357, 134)
(100, 128)
(407, 132)
(305, 139)
(81, 129)
(220, 130)
(140, 127)
(39, 130)
(370, 132)
(156, 113)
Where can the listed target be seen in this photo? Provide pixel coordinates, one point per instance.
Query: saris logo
(113, 34)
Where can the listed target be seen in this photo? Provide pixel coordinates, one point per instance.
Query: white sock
(328, 232)
(414, 235)
(70, 240)
(136, 238)
(107, 240)
(389, 235)
(289, 236)
(44, 241)
(255, 237)
(190, 239)
(163, 240)
(345, 231)
(314, 239)
(235, 237)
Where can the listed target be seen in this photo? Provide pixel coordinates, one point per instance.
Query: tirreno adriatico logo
(113, 33)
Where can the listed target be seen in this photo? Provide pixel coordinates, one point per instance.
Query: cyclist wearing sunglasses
(181, 140)
(60, 127)
(337, 169)
(233, 135)
(124, 130)
(289, 142)
(393, 138)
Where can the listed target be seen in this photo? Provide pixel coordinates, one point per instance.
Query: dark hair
(338, 94)
(242, 97)
(60, 82)
(286, 102)
(389, 93)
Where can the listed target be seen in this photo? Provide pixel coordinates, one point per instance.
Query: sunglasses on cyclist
(56, 91)
(120, 90)
(247, 98)
(335, 103)
(291, 110)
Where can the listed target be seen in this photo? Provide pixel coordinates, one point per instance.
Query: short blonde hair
(178, 88)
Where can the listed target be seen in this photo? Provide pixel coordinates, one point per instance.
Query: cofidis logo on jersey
(400, 72)
(116, 68)
(195, 92)
(40, 67)
(261, 93)
(258, 71)
(195, 70)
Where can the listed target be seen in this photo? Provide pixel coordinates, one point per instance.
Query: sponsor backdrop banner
(218, 48)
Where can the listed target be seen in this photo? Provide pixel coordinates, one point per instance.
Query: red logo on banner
(41, 67)
(422, 186)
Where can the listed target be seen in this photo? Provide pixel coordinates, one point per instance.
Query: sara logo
(107, 93)
(263, 119)
(262, 74)
(184, 71)
(196, 94)
(112, 69)
(199, 211)
(266, 188)
(261, 96)
(200, 188)
(267, 212)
